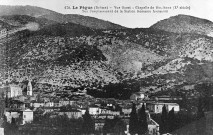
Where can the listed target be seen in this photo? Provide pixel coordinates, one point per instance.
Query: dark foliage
(80, 53)
(133, 121)
(88, 125)
(171, 121)
(121, 90)
(116, 126)
(200, 111)
(23, 19)
(142, 120)
(120, 127)
(69, 29)
(107, 128)
(164, 121)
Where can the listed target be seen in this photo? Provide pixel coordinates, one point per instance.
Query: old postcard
(106, 67)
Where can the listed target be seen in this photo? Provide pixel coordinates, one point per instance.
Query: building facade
(13, 90)
(27, 116)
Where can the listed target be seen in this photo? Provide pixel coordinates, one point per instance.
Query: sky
(198, 8)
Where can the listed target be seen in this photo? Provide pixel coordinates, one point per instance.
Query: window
(24, 116)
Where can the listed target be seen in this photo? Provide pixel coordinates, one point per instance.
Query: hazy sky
(198, 8)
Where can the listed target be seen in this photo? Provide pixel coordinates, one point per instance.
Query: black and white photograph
(106, 67)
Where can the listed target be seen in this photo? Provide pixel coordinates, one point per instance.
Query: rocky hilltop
(185, 24)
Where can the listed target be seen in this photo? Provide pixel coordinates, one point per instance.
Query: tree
(120, 127)
(88, 125)
(107, 126)
(19, 120)
(32, 107)
(200, 112)
(6, 101)
(142, 122)
(171, 120)
(200, 126)
(163, 125)
(133, 121)
(2, 108)
(39, 98)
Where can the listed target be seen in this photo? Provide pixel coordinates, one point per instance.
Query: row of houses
(137, 96)
(153, 107)
(98, 112)
(27, 116)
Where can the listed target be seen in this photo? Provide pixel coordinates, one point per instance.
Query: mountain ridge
(39, 12)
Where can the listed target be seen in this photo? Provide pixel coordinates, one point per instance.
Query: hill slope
(23, 20)
(70, 54)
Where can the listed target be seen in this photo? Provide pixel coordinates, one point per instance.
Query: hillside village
(24, 105)
(72, 74)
